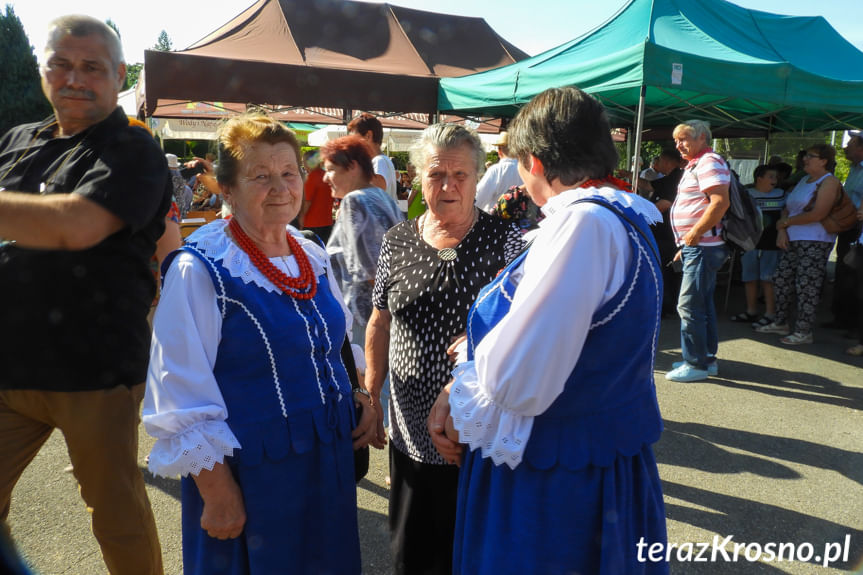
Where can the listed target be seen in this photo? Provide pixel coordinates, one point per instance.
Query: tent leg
(628, 157)
(639, 124)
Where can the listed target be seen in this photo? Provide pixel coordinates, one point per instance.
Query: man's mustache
(78, 94)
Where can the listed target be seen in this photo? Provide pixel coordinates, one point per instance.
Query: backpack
(741, 224)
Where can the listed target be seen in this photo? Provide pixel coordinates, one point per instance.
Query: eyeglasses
(810, 156)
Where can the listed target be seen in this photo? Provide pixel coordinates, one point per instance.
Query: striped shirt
(704, 172)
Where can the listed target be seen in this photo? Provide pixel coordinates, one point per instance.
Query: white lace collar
(638, 204)
(213, 241)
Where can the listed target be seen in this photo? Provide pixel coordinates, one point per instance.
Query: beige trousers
(101, 431)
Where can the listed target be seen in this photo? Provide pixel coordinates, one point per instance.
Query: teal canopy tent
(659, 61)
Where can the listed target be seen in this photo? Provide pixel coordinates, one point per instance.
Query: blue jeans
(698, 335)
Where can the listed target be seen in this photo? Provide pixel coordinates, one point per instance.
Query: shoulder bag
(842, 216)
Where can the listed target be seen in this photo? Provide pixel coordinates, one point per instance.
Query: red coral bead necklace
(303, 287)
(599, 182)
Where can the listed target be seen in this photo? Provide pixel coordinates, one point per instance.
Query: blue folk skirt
(558, 521)
(301, 517)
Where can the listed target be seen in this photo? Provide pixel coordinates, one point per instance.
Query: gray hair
(445, 137)
(80, 25)
(698, 128)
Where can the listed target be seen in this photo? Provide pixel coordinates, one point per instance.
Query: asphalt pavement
(769, 453)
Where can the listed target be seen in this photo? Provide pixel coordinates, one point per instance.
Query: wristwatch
(365, 392)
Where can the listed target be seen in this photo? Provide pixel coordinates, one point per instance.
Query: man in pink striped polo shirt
(702, 198)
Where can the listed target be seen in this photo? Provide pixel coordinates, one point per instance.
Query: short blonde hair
(245, 129)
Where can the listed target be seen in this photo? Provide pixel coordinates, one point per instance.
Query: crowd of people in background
(476, 329)
(781, 270)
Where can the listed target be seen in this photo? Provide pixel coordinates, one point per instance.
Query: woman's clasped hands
(443, 433)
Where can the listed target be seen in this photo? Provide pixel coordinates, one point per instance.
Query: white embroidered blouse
(578, 261)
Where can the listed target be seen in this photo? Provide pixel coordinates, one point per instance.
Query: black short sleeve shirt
(77, 320)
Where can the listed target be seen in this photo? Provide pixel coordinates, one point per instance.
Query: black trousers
(859, 291)
(844, 305)
(422, 515)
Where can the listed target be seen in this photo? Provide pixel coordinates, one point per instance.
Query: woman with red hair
(365, 214)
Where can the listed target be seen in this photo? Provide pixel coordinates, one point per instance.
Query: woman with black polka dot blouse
(429, 273)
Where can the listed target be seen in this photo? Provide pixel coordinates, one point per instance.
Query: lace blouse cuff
(199, 447)
(501, 435)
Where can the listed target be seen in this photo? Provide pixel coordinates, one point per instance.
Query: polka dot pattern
(429, 300)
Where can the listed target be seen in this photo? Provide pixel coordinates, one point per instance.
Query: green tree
(163, 44)
(785, 145)
(21, 98)
(133, 71)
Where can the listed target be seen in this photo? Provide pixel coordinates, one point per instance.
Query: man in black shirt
(662, 193)
(83, 201)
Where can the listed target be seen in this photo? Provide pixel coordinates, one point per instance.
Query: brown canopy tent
(327, 53)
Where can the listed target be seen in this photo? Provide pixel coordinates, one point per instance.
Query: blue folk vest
(608, 404)
(279, 366)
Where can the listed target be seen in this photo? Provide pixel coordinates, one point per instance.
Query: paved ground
(771, 451)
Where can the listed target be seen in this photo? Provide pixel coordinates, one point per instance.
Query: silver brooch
(447, 254)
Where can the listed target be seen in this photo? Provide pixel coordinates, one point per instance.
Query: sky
(532, 25)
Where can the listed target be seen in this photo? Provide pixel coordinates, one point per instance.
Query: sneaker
(797, 338)
(712, 368)
(780, 328)
(687, 372)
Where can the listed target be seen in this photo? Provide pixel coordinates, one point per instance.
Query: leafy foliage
(132, 73)
(21, 98)
(400, 160)
(785, 145)
(132, 70)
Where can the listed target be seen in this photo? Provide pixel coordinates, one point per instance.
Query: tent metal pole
(628, 145)
(638, 126)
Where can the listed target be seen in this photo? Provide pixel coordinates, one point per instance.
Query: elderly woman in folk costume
(247, 393)
(556, 405)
